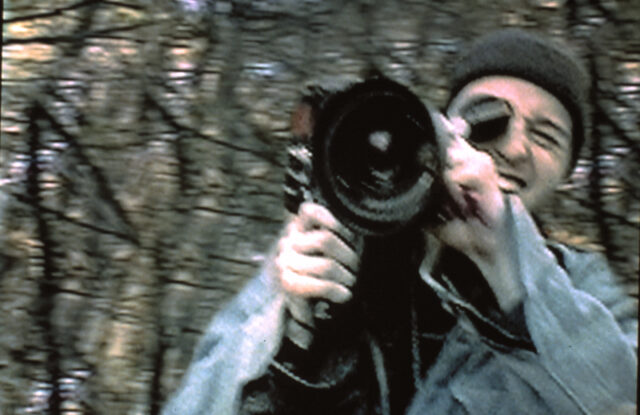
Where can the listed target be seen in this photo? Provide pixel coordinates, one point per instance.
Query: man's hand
(316, 263)
(474, 216)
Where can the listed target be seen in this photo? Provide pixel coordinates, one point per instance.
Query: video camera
(372, 156)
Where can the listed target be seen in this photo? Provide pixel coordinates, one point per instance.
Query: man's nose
(514, 145)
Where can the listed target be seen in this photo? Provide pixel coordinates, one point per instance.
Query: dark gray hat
(539, 60)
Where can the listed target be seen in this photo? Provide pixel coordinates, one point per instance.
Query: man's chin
(532, 202)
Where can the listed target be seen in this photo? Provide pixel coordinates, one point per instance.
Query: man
(487, 318)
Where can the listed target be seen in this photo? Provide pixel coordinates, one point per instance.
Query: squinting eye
(544, 139)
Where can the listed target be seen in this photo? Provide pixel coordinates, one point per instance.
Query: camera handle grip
(298, 174)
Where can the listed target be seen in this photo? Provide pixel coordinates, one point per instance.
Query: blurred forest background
(143, 151)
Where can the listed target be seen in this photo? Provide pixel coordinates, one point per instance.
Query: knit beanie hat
(514, 52)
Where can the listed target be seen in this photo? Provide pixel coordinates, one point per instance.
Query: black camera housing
(372, 157)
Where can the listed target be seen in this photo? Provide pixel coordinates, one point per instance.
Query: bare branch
(171, 121)
(53, 13)
(45, 303)
(50, 40)
(58, 11)
(61, 216)
(103, 188)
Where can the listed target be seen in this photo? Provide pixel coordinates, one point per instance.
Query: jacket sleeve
(583, 326)
(582, 331)
(244, 365)
(590, 273)
(237, 346)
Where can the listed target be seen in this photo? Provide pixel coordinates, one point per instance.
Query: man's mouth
(510, 183)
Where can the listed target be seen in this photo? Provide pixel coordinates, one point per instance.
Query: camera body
(371, 158)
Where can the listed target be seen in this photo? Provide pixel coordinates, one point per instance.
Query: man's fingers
(305, 311)
(311, 287)
(444, 132)
(449, 129)
(317, 266)
(451, 135)
(314, 216)
(475, 171)
(322, 310)
(325, 243)
(298, 334)
(301, 310)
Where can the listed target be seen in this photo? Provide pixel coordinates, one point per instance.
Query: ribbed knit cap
(514, 52)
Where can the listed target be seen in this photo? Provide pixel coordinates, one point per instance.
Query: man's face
(525, 129)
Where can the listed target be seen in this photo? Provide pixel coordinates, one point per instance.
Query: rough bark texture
(142, 157)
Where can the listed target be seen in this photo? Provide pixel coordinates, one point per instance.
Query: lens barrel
(375, 156)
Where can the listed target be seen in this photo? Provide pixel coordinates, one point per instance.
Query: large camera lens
(369, 156)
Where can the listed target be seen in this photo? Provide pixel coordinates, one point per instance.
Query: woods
(143, 151)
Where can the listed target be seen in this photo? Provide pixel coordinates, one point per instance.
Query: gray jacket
(580, 325)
